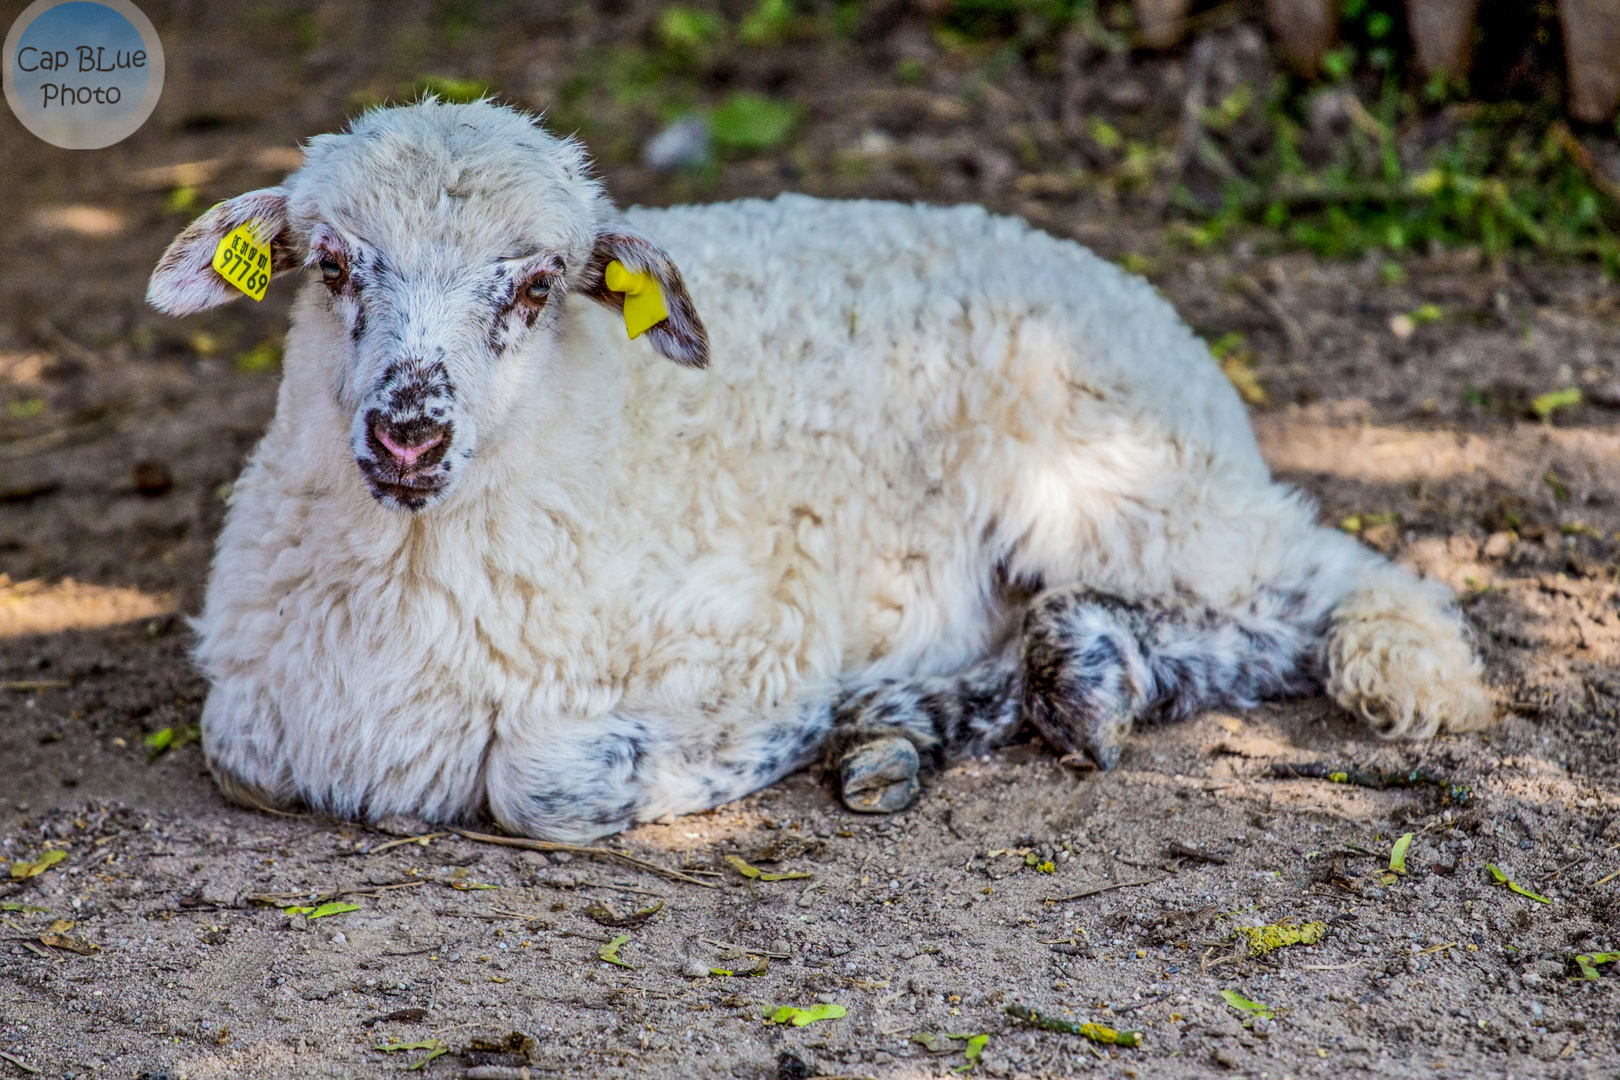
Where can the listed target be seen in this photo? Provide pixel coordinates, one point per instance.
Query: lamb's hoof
(1098, 735)
(1103, 740)
(880, 776)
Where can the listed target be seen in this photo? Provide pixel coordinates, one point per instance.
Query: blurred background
(1406, 204)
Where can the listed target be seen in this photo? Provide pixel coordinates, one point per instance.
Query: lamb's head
(444, 243)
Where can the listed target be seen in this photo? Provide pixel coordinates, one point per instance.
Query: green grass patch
(753, 124)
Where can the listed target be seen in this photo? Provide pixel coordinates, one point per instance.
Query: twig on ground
(1582, 157)
(19, 1062)
(1299, 347)
(1094, 1032)
(748, 949)
(1083, 893)
(576, 849)
(1177, 848)
(423, 840)
(315, 896)
(619, 886)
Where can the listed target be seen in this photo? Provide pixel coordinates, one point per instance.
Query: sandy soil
(933, 921)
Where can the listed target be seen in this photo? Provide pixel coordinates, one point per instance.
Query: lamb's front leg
(884, 735)
(576, 782)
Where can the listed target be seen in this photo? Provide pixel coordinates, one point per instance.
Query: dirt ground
(1110, 898)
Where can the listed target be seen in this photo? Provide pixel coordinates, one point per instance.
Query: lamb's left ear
(680, 336)
(185, 280)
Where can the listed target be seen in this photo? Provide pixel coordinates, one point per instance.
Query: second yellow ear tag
(643, 299)
(243, 261)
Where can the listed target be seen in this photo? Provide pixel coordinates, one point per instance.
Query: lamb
(915, 477)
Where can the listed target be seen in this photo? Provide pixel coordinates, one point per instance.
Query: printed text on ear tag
(643, 299)
(243, 261)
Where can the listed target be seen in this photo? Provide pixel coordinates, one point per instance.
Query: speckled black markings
(790, 745)
(418, 397)
(1086, 667)
(1095, 663)
(967, 712)
(598, 788)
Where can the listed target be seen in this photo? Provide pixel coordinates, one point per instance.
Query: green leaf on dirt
(1265, 939)
(22, 871)
(1547, 404)
(788, 1014)
(755, 872)
(610, 951)
(935, 1044)
(752, 124)
(1559, 489)
(1588, 963)
(434, 1047)
(1397, 854)
(975, 1047)
(333, 908)
(163, 740)
(1243, 1004)
(1513, 886)
(438, 1052)
(26, 909)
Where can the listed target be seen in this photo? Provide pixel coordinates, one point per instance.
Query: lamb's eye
(331, 270)
(537, 290)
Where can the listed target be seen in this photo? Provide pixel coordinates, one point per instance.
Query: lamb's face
(442, 242)
(440, 341)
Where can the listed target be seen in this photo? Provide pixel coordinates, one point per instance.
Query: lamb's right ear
(185, 280)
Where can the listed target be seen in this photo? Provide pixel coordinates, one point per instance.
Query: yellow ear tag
(243, 261)
(643, 299)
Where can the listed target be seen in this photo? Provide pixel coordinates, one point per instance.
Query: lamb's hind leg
(1093, 663)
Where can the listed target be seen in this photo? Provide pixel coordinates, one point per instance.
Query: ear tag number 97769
(243, 261)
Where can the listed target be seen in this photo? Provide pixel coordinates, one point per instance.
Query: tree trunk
(1592, 53)
(1161, 22)
(1306, 30)
(1443, 31)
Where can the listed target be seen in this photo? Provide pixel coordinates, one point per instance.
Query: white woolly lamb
(918, 475)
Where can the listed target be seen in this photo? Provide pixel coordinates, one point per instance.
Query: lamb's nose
(407, 442)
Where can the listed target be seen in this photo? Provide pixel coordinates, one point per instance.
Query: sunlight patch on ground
(22, 368)
(94, 222)
(33, 607)
(1301, 443)
(696, 832)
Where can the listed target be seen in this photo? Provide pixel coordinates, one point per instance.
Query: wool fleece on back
(882, 484)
